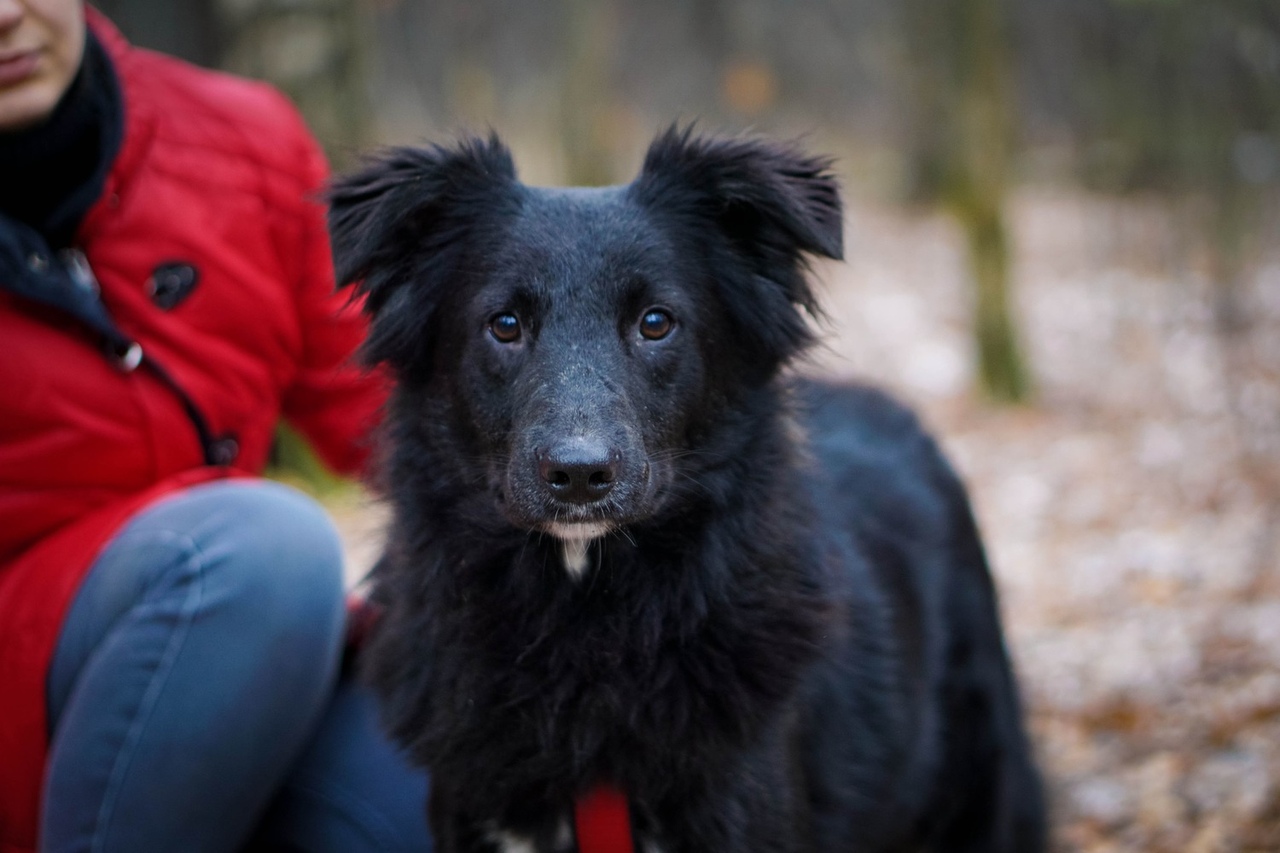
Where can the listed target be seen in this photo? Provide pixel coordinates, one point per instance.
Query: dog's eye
(505, 328)
(656, 324)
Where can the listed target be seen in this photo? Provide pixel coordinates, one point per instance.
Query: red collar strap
(603, 822)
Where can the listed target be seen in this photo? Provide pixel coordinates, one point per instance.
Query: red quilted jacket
(218, 174)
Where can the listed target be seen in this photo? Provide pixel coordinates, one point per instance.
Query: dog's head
(582, 342)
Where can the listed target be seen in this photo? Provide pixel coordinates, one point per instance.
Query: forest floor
(1132, 512)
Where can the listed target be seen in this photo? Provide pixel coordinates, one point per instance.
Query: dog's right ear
(401, 227)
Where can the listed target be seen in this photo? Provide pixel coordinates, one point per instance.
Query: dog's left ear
(772, 203)
(758, 189)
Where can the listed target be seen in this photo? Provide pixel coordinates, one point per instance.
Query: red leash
(603, 821)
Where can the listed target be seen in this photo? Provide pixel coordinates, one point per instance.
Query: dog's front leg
(755, 808)
(452, 830)
(533, 827)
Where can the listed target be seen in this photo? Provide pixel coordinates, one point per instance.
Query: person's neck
(51, 173)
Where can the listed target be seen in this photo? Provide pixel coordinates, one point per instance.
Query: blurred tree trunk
(590, 30)
(185, 28)
(313, 51)
(978, 190)
(962, 131)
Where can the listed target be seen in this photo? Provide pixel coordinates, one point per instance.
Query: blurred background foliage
(925, 102)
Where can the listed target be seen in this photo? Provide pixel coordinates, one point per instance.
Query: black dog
(627, 552)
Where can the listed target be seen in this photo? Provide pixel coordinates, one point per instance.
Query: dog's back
(944, 713)
(628, 552)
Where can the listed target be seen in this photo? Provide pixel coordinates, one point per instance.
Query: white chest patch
(509, 842)
(575, 556)
(564, 837)
(575, 544)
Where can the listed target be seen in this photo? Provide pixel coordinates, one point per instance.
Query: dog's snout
(579, 470)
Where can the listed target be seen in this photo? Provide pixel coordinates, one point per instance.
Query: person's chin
(27, 104)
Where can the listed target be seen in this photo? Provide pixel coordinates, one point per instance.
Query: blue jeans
(194, 694)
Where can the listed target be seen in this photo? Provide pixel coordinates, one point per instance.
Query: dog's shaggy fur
(627, 550)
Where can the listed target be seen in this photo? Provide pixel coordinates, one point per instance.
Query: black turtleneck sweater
(51, 174)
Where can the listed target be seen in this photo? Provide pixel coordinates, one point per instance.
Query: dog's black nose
(579, 470)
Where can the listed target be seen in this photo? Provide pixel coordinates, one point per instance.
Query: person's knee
(272, 556)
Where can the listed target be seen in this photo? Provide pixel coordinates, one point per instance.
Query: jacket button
(223, 451)
(172, 282)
